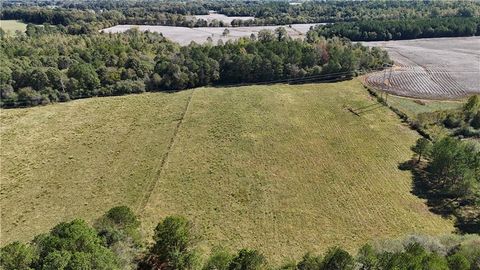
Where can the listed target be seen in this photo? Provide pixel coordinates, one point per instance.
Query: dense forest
(46, 65)
(114, 242)
(377, 30)
(345, 11)
(100, 14)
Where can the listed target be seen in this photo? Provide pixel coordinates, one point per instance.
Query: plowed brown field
(441, 68)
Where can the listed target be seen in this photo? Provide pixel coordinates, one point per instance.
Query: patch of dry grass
(10, 26)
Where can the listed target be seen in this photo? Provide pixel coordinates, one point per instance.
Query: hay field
(10, 26)
(281, 168)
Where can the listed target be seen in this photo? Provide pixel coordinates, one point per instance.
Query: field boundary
(165, 157)
(403, 116)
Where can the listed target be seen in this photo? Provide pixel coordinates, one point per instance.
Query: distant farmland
(280, 168)
(10, 26)
(185, 35)
(439, 68)
(221, 17)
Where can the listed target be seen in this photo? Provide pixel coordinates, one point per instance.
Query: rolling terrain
(281, 168)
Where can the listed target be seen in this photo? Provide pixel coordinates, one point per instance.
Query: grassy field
(281, 168)
(413, 107)
(10, 26)
(423, 111)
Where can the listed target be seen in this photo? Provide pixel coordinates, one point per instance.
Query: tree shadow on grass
(468, 224)
(467, 216)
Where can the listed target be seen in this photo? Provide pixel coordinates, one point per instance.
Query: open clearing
(281, 168)
(221, 17)
(185, 35)
(439, 68)
(10, 26)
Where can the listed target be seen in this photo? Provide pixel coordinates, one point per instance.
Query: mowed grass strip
(287, 169)
(281, 168)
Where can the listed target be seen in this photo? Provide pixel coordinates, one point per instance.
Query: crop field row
(418, 82)
(280, 168)
(441, 68)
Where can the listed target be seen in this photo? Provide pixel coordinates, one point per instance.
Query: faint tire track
(165, 157)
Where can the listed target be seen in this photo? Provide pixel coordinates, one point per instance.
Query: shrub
(63, 97)
(338, 259)
(472, 106)
(475, 123)
(123, 217)
(367, 257)
(119, 229)
(173, 244)
(248, 260)
(29, 97)
(8, 97)
(431, 244)
(219, 260)
(17, 256)
(467, 131)
(66, 239)
(434, 261)
(6, 91)
(310, 262)
(471, 251)
(458, 262)
(451, 121)
(56, 260)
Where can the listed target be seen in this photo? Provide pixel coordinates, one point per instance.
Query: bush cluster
(114, 242)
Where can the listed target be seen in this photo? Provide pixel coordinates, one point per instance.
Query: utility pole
(389, 84)
(383, 81)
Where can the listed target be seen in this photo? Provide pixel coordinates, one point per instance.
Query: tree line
(268, 13)
(98, 14)
(381, 30)
(447, 169)
(48, 66)
(115, 242)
